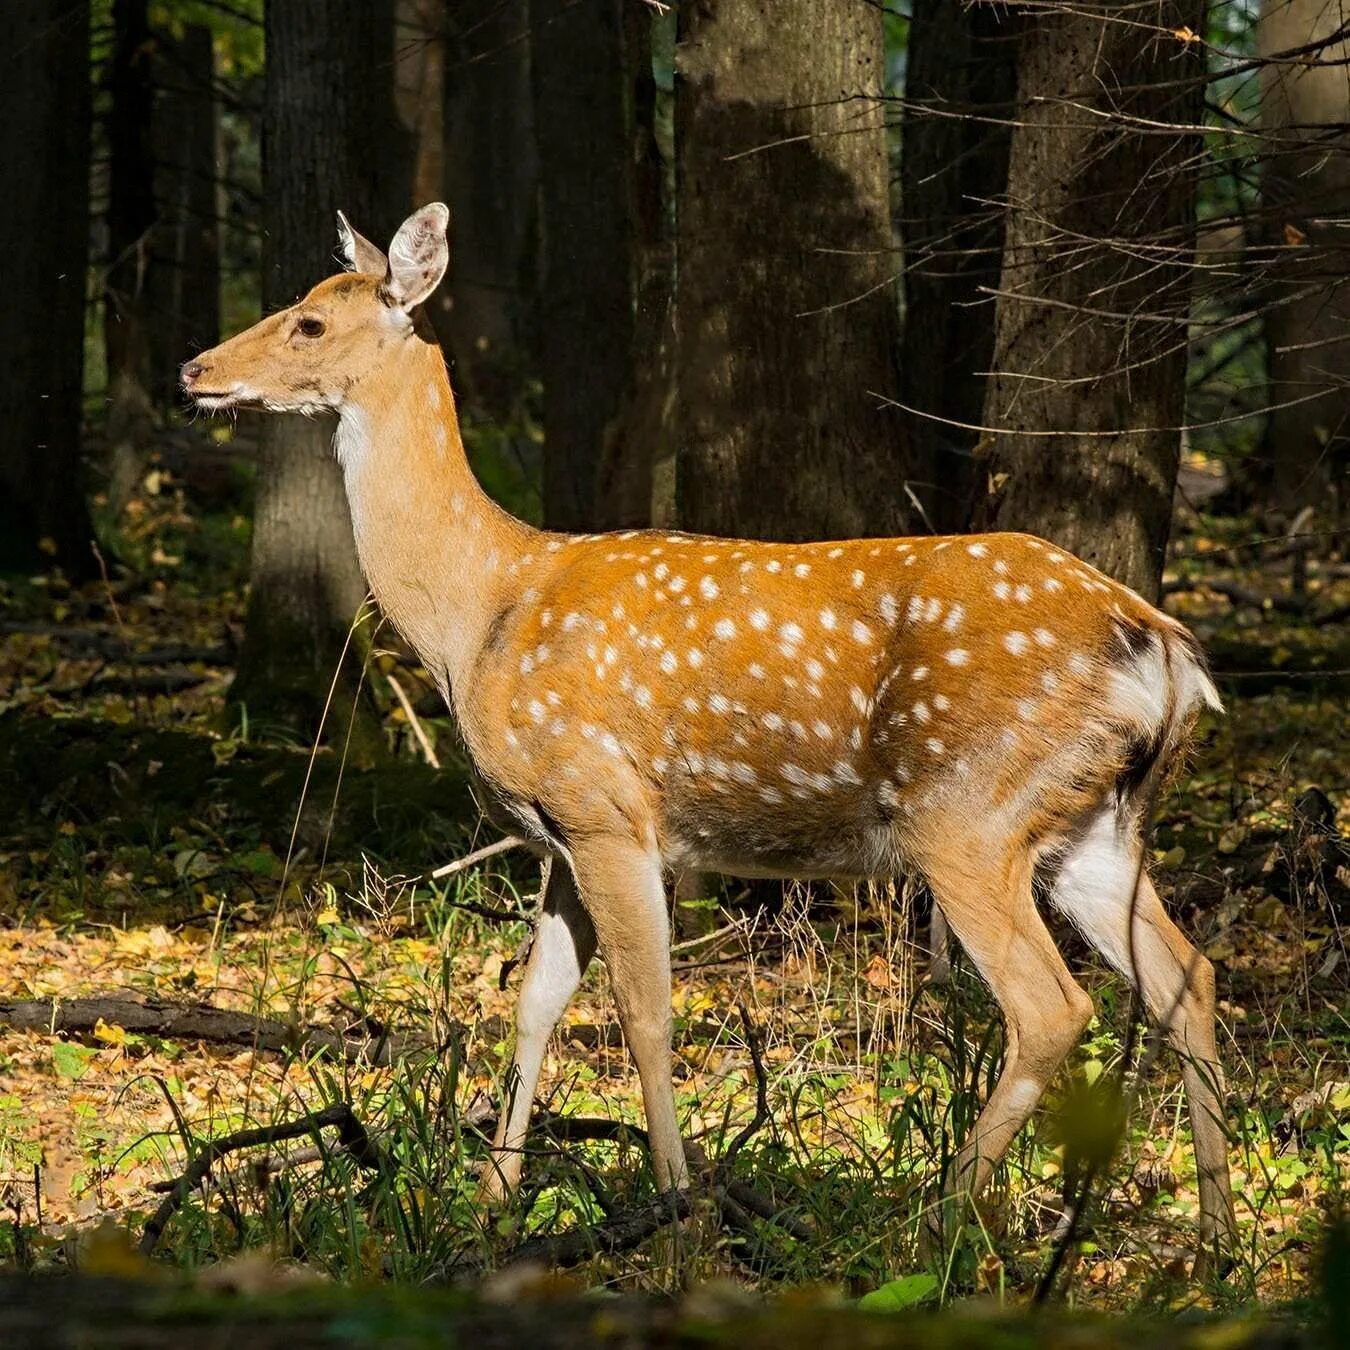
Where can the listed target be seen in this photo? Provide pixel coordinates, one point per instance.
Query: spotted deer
(987, 711)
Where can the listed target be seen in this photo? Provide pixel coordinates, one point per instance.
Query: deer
(986, 711)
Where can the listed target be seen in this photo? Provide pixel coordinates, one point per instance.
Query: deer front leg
(563, 946)
(620, 884)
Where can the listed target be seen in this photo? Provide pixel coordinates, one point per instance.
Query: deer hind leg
(990, 909)
(1100, 885)
(563, 946)
(621, 887)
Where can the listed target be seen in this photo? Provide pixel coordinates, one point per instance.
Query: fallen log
(202, 1022)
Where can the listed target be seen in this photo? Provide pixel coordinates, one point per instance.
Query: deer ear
(357, 252)
(418, 256)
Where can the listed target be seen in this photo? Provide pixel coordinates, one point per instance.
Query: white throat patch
(351, 440)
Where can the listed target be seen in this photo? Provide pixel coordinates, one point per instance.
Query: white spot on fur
(958, 656)
(1016, 642)
(724, 629)
(976, 550)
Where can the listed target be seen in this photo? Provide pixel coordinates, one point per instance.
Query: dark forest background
(819, 268)
(833, 270)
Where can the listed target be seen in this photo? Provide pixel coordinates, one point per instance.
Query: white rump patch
(1137, 691)
(1095, 886)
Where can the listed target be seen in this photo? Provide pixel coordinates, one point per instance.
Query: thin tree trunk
(785, 294)
(585, 57)
(44, 239)
(322, 109)
(422, 32)
(1306, 191)
(960, 80)
(185, 301)
(132, 247)
(1090, 347)
(490, 179)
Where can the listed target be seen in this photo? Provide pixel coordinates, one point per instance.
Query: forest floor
(155, 848)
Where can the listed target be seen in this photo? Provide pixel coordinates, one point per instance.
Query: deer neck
(433, 545)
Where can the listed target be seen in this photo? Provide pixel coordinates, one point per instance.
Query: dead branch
(262, 1168)
(428, 751)
(201, 1022)
(1238, 595)
(754, 1041)
(478, 855)
(352, 1139)
(620, 1233)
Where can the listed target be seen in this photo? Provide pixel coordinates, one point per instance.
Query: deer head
(316, 355)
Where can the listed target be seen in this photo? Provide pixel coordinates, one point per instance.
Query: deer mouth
(224, 400)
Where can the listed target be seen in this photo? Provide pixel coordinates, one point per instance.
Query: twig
(754, 1043)
(428, 750)
(478, 855)
(262, 1168)
(352, 1138)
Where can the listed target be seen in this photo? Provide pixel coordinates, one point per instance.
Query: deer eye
(311, 328)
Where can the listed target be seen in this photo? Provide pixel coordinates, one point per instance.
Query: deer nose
(192, 371)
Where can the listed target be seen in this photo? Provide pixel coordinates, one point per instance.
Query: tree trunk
(960, 81)
(419, 92)
(1306, 190)
(786, 313)
(185, 301)
(132, 248)
(44, 236)
(490, 178)
(591, 62)
(1088, 396)
(323, 109)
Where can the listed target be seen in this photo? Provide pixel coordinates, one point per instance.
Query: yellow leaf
(327, 917)
(1185, 34)
(109, 1034)
(1174, 857)
(108, 1251)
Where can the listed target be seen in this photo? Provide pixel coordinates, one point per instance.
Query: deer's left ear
(357, 252)
(418, 256)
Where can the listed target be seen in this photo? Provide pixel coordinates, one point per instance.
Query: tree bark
(1088, 395)
(1306, 191)
(490, 180)
(588, 58)
(44, 233)
(324, 105)
(185, 300)
(419, 92)
(960, 82)
(786, 314)
(132, 248)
